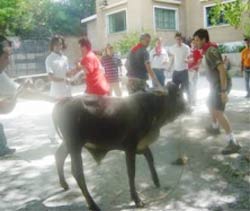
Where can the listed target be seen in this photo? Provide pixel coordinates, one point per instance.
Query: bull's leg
(150, 160)
(77, 171)
(60, 157)
(130, 161)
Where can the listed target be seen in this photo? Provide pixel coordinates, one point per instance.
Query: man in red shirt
(95, 79)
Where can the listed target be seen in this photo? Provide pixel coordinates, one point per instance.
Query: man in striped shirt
(112, 63)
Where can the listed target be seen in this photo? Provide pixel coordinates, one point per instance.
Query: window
(208, 17)
(117, 22)
(165, 18)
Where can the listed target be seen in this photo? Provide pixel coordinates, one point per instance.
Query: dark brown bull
(102, 124)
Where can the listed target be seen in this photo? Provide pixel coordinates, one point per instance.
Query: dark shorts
(214, 101)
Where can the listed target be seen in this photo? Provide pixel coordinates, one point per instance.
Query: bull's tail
(56, 114)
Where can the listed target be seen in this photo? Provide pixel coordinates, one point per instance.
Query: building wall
(93, 33)
(140, 17)
(195, 20)
(168, 35)
(73, 51)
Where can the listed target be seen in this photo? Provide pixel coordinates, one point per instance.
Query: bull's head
(176, 98)
(168, 103)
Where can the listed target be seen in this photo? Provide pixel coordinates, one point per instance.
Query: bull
(101, 124)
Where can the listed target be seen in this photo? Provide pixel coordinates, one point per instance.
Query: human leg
(247, 80)
(4, 149)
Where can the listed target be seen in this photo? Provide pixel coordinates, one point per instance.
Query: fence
(28, 58)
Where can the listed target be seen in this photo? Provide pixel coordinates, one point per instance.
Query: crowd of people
(102, 71)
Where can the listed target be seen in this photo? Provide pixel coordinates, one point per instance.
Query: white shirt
(7, 86)
(180, 54)
(58, 65)
(159, 61)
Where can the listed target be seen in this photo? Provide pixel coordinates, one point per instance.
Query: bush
(227, 49)
(128, 41)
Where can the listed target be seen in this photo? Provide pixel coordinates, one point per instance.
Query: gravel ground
(210, 181)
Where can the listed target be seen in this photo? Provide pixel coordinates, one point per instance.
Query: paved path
(210, 181)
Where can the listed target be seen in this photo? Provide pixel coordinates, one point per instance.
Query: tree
(13, 15)
(41, 18)
(236, 13)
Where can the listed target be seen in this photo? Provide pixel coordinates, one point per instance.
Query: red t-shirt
(95, 79)
(196, 56)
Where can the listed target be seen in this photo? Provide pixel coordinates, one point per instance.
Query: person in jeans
(245, 65)
(159, 60)
(194, 61)
(138, 66)
(180, 53)
(219, 87)
(112, 63)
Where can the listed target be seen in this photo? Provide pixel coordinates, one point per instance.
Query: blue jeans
(180, 78)
(247, 79)
(159, 73)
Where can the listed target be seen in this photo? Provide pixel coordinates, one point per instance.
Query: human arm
(165, 57)
(152, 74)
(7, 105)
(171, 57)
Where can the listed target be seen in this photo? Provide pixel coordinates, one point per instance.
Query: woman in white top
(57, 67)
(159, 60)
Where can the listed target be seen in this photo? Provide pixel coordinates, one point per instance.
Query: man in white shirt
(159, 60)
(180, 53)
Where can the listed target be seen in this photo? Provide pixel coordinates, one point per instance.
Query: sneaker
(231, 148)
(7, 151)
(213, 131)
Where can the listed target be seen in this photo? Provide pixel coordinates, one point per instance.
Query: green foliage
(128, 41)
(41, 18)
(13, 15)
(236, 13)
(227, 49)
(125, 43)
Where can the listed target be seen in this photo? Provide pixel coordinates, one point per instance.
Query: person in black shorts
(220, 84)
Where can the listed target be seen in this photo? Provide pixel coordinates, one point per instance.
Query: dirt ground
(209, 181)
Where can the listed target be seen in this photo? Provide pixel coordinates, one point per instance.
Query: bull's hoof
(65, 186)
(139, 204)
(94, 208)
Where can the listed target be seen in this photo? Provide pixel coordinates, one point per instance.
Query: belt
(247, 67)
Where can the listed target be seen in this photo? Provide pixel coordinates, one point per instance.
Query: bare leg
(223, 121)
(149, 157)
